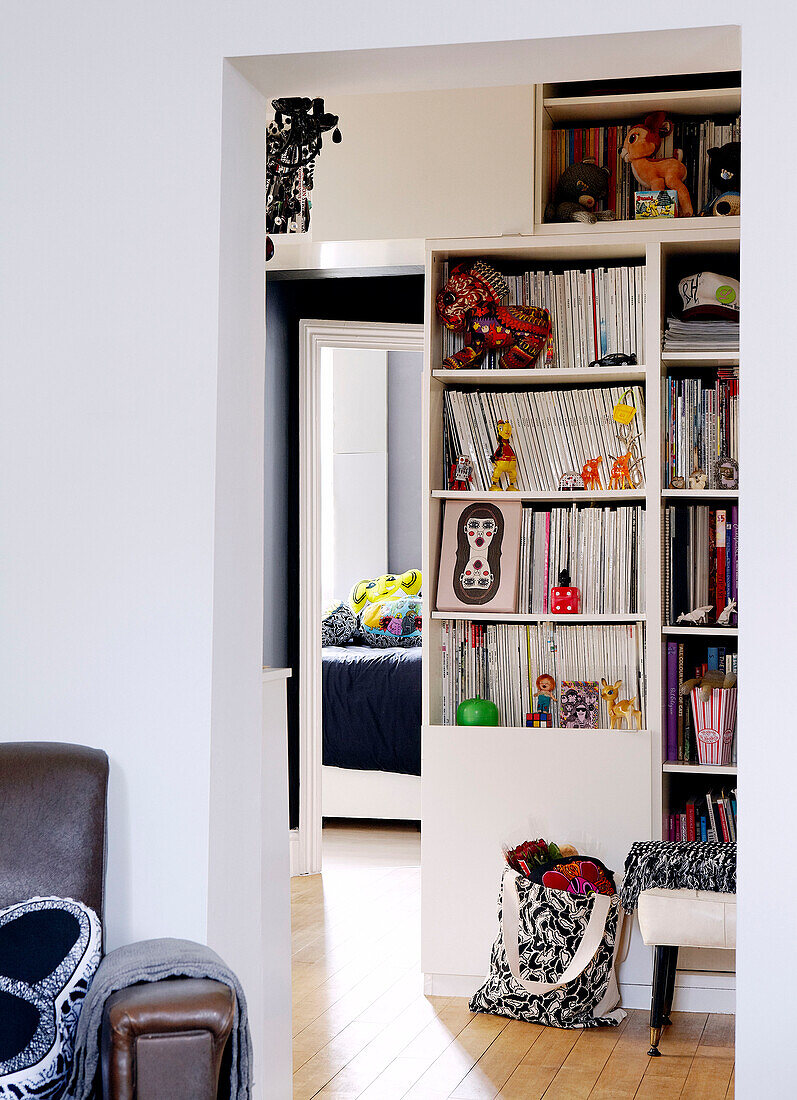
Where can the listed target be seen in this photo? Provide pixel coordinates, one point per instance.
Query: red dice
(565, 601)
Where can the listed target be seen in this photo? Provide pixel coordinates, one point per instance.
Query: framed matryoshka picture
(479, 557)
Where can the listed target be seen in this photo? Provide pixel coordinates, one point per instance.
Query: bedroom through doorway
(361, 591)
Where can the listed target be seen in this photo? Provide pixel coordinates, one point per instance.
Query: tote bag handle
(585, 952)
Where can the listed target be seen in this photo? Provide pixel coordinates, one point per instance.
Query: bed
(371, 732)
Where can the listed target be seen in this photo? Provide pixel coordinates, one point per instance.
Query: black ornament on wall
(293, 141)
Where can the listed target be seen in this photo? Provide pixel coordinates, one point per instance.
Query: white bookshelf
(483, 808)
(486, 786)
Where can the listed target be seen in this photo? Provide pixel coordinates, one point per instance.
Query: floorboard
(363, 1030)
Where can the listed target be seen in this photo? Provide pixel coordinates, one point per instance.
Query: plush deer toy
(639, 149)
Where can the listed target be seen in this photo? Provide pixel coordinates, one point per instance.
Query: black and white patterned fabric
(678, 865)
(339, 625)
(552, 926)
(50, 949)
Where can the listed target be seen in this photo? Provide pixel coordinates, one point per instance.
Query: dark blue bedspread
(372, 708)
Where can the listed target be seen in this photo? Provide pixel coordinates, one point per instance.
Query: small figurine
(677, 482)
(724, 617)
(565, 599)
(503, 458)
(726, 471)
(621, 472)
(697, 479)
(545, 693)
(619, 708)
(571, 481)
(591, 473)
(639, 149)
(461, 474)
(696, 617)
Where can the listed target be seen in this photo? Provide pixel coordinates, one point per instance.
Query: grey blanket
(151, 961)
(678, 865)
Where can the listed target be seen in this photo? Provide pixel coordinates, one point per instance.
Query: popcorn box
(715, 721)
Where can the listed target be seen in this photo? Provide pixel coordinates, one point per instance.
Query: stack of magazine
(603, 549)
(594, 312)
(706, 335)
(502, 662)
(553, 431)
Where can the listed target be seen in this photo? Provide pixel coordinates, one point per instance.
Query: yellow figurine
(504, 459)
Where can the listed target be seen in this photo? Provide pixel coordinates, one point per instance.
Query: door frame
(315, 335)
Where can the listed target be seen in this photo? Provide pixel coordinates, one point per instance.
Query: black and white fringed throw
(682, 865)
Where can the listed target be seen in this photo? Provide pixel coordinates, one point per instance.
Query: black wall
(382, 298)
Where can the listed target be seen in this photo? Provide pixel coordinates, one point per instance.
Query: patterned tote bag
(554, 959)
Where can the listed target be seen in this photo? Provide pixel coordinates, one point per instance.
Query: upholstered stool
(669, 919)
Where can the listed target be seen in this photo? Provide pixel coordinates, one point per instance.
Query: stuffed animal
(382, 588)
(579, 190)
(640, 147)
(725, 173)
(710, 680)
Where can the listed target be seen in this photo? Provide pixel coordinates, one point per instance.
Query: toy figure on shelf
(623, 415)
(621, 472)
(578, 191)
(639, 150)
(725, 173)
(475, 301)
(571, 481)
(545, 696)
(696, 617)
(697, 478)
(565, 599)
(591, 473)
(708, 681)
(461, 474)
(503, 458)
(619, 709)
(724, 617)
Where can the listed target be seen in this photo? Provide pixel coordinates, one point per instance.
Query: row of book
(713, 334)
(693, 136)
(700, 547)
(680, 743)
(594, 312)
(708, 817)
(502, 662)
(603, 549)
(554, 431)
(702, 425)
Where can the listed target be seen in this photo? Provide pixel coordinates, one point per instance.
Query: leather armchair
(162, 1040)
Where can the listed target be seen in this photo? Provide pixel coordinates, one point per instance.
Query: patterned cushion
(50, 949)
(339, 625)
(392, 623)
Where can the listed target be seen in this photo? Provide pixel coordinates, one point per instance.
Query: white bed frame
(348, 792)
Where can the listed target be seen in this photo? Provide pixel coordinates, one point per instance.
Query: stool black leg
(672, 966)
(660, 968)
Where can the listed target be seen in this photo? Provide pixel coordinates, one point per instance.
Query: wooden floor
(362, 1027)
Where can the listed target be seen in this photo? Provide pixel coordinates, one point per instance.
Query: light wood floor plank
(365, 1031)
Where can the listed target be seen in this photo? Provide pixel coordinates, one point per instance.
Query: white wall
(109, 217)
(427, 164)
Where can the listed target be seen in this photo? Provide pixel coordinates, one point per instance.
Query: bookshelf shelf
(673, 768)
(611, 108)
(702, 631)
(564, 620)
(700, 494)
(688, 360)
(561, 376)
(665, 228)
(585, 496)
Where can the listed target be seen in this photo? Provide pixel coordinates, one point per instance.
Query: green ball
(477, 712)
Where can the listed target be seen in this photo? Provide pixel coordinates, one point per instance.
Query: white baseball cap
(708, 294)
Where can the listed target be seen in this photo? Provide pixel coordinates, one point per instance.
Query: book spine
(690, 820)
(720, 543)
(682, 702)
(672, 700)
(726, 836)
